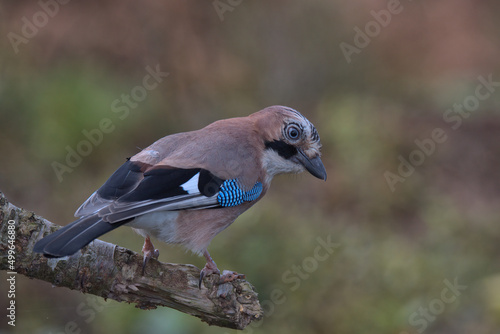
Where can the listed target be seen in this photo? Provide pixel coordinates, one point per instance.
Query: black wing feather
(123, 180)
(208, 183)
(72, 237)
(160, 182)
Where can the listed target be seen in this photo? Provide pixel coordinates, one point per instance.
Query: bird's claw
(149, 252)
(209, 269)
(148, 255)
(229, 276)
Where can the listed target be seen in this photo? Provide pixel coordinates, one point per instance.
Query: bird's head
(292, 144)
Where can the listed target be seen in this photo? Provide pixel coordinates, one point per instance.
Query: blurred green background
(375, 77)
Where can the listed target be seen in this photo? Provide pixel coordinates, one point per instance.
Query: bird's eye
(293, 132)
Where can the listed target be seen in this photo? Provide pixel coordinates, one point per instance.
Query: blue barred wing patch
(231, 194)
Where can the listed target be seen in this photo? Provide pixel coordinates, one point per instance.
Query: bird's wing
(135, 189)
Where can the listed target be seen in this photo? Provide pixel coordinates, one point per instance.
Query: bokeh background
(399, 246)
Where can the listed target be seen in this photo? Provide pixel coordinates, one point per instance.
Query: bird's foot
(211, 268)
(149, 252)
(229, 276)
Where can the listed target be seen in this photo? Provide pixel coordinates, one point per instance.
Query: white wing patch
(191, 186)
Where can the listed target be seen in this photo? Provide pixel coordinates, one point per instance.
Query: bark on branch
(110, 271)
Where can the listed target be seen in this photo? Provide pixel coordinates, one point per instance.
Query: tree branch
(110, 271)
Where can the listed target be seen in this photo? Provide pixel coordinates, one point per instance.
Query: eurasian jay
(187, 187)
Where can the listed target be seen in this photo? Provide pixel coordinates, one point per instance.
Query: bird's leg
(149, 251)
(211, 268)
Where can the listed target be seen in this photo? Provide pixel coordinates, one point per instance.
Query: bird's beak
(314, 166)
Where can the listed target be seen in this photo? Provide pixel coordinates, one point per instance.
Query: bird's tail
(73, 237)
